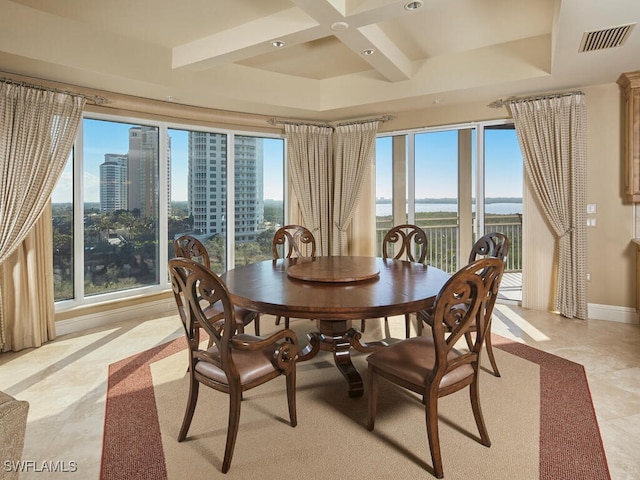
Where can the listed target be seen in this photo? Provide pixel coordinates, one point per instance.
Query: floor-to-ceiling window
(62, 203)
(434, 206)
(502, 178)
(259, 196)
(198, 191)
(417, 182)
(132, 183)
(455, 182)
(120, 201)
(385, 190)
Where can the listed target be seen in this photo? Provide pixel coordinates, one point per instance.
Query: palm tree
(105, 223)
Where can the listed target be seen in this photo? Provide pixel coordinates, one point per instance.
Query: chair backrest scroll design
(200, 290)
(459, 306)
(412, 241)
(293, 241)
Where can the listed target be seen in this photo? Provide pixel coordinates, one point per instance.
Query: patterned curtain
(310, 157)
(552, 136)
(37, 130)
(355, 147)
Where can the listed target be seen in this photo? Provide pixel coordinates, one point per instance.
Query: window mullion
(78, 216)
(163, 204)
(231, 195)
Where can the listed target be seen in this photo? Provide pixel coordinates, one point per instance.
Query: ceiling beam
(309, 20)
(247, 40)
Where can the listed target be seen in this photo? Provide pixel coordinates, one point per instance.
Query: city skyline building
(143, 170)
(130, 181)
(114, 193)
(207, 184)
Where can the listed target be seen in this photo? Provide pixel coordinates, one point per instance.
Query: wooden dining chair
(188, 246)
(292, 241)
(496, 245)
(405, 242)
(235, 362)
(490, 245)
(431, 366)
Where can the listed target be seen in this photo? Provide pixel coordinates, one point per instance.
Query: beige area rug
(331, 440)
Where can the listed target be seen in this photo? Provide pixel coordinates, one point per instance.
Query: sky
(102, 137)
(436, 169)
(436, 163)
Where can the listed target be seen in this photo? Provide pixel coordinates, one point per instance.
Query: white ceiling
(219, 53)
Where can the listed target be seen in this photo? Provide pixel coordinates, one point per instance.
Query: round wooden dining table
(334, 291)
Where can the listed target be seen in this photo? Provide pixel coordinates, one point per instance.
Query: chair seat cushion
(251, 365)
(413, 360)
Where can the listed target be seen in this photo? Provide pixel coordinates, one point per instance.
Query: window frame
(79, 298)
(477, 173)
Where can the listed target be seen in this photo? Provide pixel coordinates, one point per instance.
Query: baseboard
(612, 313)
(163, 307)
(143, 311)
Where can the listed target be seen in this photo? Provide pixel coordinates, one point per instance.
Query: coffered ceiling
(221, 53)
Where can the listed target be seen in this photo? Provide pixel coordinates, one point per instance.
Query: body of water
(385, 209)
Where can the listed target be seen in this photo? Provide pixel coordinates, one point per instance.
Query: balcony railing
(442, 233)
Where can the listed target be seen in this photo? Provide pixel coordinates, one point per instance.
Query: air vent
(607, 38)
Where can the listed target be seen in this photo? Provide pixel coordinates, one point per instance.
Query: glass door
(501, 185)
(434, 202)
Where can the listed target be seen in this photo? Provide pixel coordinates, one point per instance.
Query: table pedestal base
(338, 336)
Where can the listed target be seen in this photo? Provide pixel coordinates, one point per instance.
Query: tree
(128, 221)
(105, 224)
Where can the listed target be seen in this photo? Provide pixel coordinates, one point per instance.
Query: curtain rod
(501, 103)
(96, 99)
(275, 121)
(382, 118)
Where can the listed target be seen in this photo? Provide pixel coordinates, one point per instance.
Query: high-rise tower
(113, 183)
(208, 184)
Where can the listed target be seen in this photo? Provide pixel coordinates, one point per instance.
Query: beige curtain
(355, 147)
(310, 158)
(552, 136)
(37, 130)
(28, 275)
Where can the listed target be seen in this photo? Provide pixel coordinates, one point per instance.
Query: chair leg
(235, 401)
(194, 387)
(433, 434)
(286, 322)
(407, 325)
(492, 359)
(291, 397)
(256, 324)
(477, 412)
(363, 322)
(278, 319)
(372, 388)
(419, 325)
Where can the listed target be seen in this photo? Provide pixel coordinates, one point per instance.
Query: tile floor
(65, 382)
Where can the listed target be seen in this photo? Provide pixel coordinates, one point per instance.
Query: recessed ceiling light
(368, 51)
(413, 5)
(339, 26)
(278, 43)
